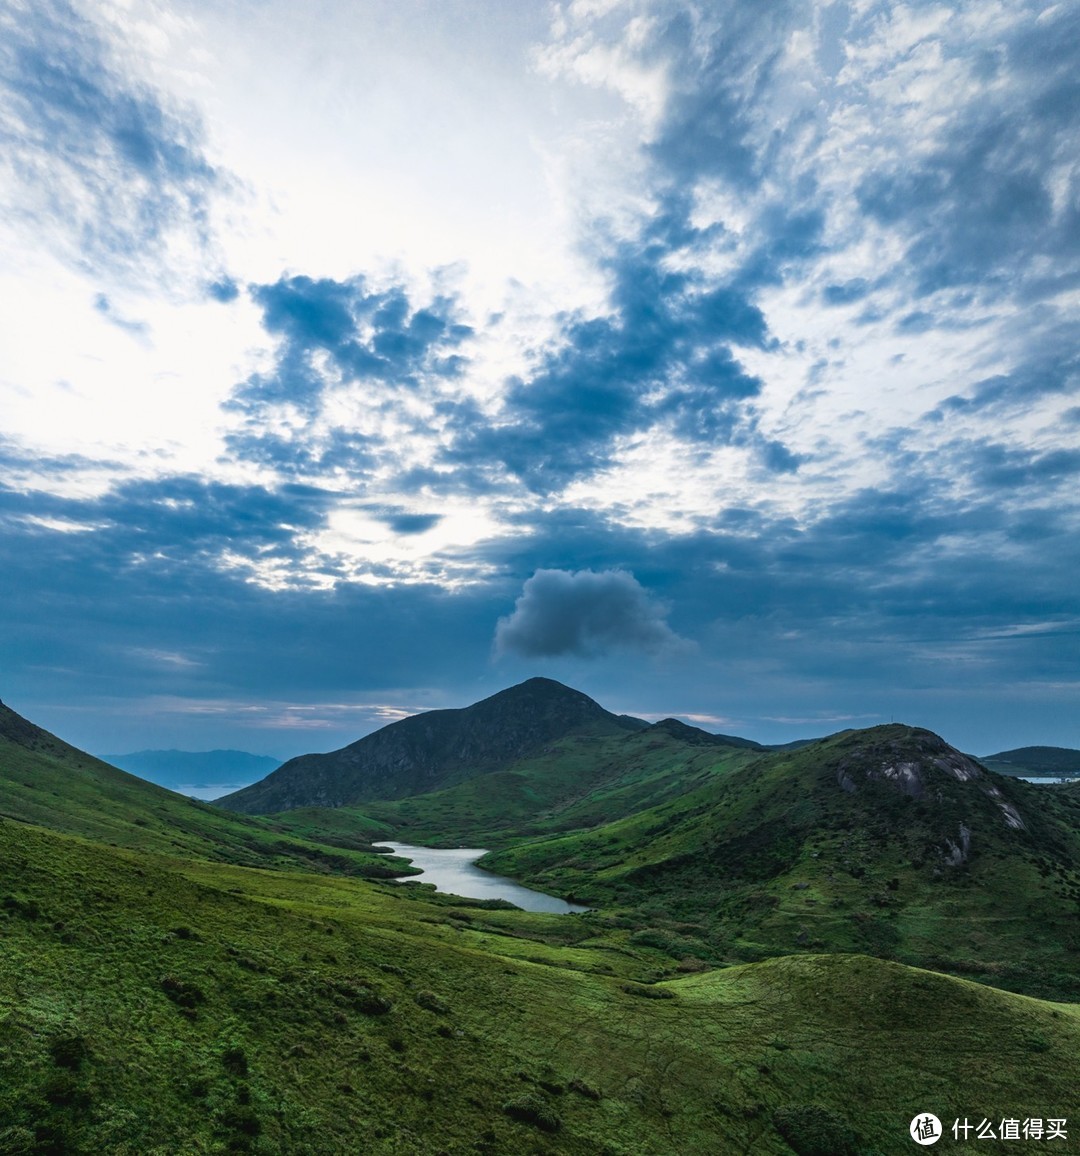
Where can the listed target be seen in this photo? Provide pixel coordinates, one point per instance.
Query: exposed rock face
(923, 766)
(908, 766)
(958, 852)
(432, 750)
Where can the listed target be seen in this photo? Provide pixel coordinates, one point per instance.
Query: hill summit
(435, 749)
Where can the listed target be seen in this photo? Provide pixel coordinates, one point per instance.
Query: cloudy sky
(717, 359)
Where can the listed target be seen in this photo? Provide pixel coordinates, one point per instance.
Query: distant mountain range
(175, 769)
(1048, 762)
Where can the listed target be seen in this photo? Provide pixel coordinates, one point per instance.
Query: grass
(252, 1010)
(45, 781)
(774, 857)
(578, 782)
(175, 979)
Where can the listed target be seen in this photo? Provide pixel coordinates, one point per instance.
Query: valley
(790, 950)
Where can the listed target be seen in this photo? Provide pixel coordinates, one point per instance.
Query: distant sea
(210, 791)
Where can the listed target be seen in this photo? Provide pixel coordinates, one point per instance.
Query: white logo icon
(925, 1129)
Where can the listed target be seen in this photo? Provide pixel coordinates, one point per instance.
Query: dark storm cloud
(897, 584)
(224, 290)
(402, 522)
(100, 159)
(137, 598)
(177, 524)
(999, 466)
(368, 334)
(151, 567)
(584, 613)
(337, 452)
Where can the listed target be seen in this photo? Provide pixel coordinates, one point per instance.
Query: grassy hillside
(174, 978)
(578, 782)
(45, 781)
(883, 841)
(146, 1010)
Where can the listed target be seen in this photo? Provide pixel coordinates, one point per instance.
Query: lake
(455, 872)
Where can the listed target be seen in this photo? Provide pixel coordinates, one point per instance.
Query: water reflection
(455, 872)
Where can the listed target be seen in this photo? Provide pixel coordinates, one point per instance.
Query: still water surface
(455, 872)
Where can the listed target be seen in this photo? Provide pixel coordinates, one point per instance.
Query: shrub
(812, 1130)
(27, 908)
(371, 1003)
(63, 1090)
(430, 1001)
(363, 996)
(531, 1109)
(16, 1141)
(647, 992)
(182, 993)
(583, 1089)
(69, 1052)
(242, 1118)
(234, 1061)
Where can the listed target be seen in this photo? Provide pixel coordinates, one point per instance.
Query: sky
(720, 360)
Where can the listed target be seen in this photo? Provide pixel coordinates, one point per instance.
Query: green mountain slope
(1035, 761)
(146, 1010)
(577, 782)
(433, 750)
(885, 841)
(48, 782)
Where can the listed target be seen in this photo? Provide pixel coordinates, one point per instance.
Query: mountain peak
(435, 749)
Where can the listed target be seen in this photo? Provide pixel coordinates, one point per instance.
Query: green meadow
(156, 1006)
(178, 979)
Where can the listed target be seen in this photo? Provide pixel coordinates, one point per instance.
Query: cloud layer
(811, 389)
(99, 163)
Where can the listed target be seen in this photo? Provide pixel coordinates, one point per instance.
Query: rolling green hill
(147, 1010)
(174, 978)
(885, 841)
(429, 751)
(45, 781)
